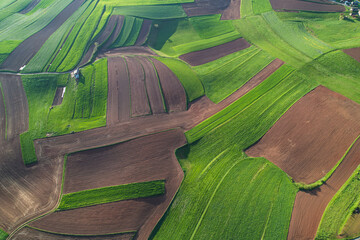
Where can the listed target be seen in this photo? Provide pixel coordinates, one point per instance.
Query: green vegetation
(111, 194)
(3, 234)
(303, 186)
(141, 2)
(134, 32)
(125, 32)
(152, 12)
(83, 106)
(340, 208)
(190, 81)
(210, 26)
(224, 76)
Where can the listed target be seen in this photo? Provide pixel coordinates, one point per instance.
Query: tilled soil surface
(147, 158)
(354, 53)
(213, 53)
(57, 98)
(232, 12)
(28, 48)
(139, 99)
(133, 50)
(144, 32)
(24, 192)
(31, 234)
(316, 6)
(116, 32)
(312, 136)
(30, 7)
(173, 91)
(310, 206)
(205, 7)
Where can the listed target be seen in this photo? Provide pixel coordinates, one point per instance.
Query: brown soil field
(198, 111)
(147, 158)
(139, 99)
(312, 136)
(213, 53)
(354, 53)
(118, 108)
(116, 32)
(28, 48)
(232, 12)
(24, 192)
(57, 98)
(144, 32)
(2, 119)
(310, 206)
(31, 234)
(152, 86)
(133, 50)
(306, 6)
(173, 91)
(30, 7)
(104, 35)
(205, 7)
(352, 227)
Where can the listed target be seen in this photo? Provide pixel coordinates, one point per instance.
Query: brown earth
(116, 32)
(352, 227)
(310, 206)
(28, 48)
(205, 7)
(2, 119)
(312, 136)
(144, 32)
(319, 6)
(133, 50)
(354, 53)
(139, 99)
(152, 86)
(213, 53)
(232, 12)
(104, 35)
(24, 192)
(118, 105)
(144, 159)
(173, 91)
(30, 6)
(57, 98)
(31, 234)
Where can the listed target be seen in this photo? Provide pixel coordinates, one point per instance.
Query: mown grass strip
(340, 208)
(111, 194)
(304, 186)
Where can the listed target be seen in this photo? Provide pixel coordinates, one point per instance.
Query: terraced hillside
(179, 119)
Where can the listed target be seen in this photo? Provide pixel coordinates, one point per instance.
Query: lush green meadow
(83, 106)
(190, 81)
(224, 76)
(3, 234)
(111, 194)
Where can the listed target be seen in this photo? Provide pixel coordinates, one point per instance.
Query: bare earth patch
(316, 6)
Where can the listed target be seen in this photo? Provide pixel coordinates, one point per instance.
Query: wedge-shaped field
(312, 136)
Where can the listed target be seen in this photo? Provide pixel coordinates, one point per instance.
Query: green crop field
(224, 76)
(190, 81)
(111, 194)
(3, 234)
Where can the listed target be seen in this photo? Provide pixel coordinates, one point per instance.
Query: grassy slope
(340, 208)
(224, 76)
(152, 12)
(83, 106)
(111, 194)
(208, 161)
(190, 81)
(3, 234)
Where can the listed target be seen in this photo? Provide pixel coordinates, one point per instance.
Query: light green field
(111, 194)
(224, 76)
(190, 81)
(83, 106)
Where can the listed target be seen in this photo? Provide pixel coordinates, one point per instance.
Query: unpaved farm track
(213, 53)
(310, 206)
(319, 6)
(28, 48)
(144, 159)
(312, 136)
(24, 192)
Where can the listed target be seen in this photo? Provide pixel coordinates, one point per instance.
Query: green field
(190, 81)
(3, 234)
(83, 106)
(224, 76)
(111, 194)
(152, 12)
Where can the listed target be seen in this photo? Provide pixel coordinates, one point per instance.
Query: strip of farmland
(28, 48)
(211, 54)
(232, 12)
(205, 7)
(301, 5)
(144, 32)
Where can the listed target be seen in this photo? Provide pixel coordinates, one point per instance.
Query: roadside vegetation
(3, 234)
